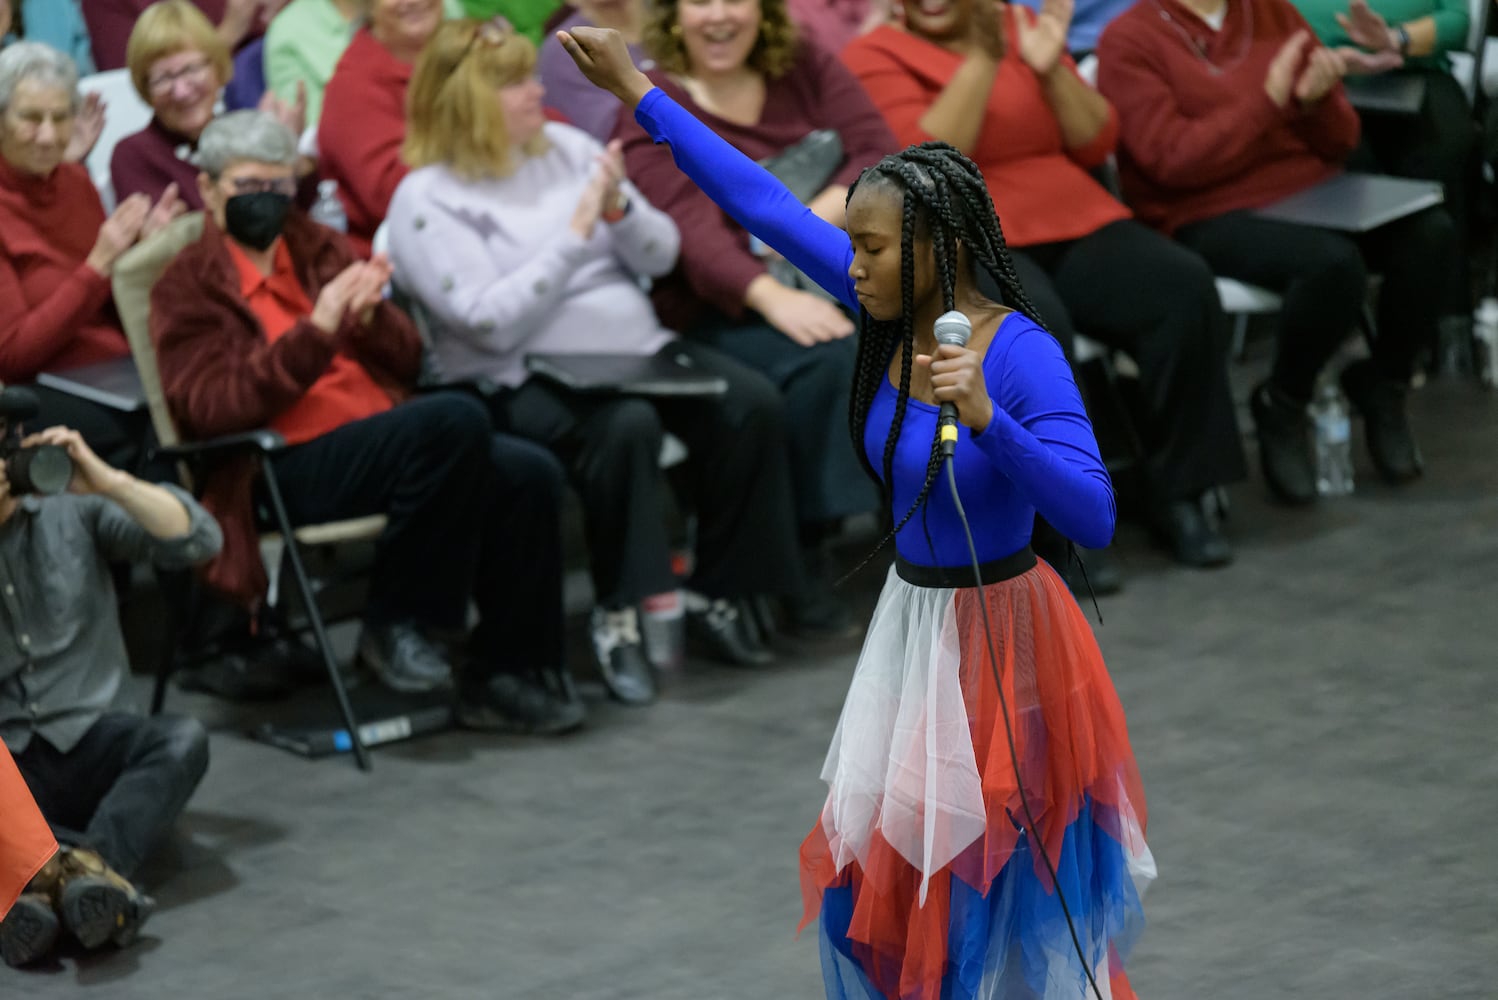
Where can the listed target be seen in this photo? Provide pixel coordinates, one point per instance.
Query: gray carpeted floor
(1317, 727)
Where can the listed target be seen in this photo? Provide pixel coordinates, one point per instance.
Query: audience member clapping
(994, 81)
(111, 782)
(520, 235)
(271, 321)
(178, 64)
(737, 64)
(364, 110)
(57, 248)
(1217, 122)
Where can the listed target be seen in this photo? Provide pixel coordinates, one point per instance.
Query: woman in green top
(1438, 143)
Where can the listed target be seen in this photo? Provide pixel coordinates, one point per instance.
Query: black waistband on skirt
(1007, 568)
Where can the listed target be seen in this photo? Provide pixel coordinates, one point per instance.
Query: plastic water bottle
(328, 209)
(1333, 442)
(1485, 334)
(663, 627)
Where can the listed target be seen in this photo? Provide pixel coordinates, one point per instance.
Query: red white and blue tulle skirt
(923, 865)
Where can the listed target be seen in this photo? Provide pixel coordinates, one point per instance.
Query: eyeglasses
(493, 32)
(260, 185)
(158, 84)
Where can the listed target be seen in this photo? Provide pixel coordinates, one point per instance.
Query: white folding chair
(1477, 65)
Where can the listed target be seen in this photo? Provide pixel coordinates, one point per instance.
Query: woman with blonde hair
(520, 235)
(179, 64)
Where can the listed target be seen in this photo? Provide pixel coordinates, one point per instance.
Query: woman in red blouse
(1225, 108)
(57, 249)
(740, 67)
(994, 81)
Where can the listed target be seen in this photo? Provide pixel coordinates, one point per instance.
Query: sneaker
(403, 659)
(509, 703)
(626, 669)
(98, 905)
(29, 931)
(718, 626)
(1386, 425)
(1284, 432)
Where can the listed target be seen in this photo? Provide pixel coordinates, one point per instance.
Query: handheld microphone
(951, 328)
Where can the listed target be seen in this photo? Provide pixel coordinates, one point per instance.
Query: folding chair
(134, 275)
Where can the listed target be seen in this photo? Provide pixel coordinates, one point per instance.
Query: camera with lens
(44, 469)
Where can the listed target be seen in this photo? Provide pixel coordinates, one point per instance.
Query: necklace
(1198, 45)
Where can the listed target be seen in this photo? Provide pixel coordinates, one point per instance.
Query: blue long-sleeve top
(1038, 453)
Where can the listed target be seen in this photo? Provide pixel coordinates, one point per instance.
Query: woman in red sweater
(1226, 108)
(994, 81)
(363, 119)
(57, 250)
(739, 66)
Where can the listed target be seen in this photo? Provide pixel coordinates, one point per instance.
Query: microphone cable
(993, 665)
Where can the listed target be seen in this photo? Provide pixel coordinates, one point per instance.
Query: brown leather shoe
(98, 905)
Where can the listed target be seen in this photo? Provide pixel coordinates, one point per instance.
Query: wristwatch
(1402, 40)
(618, 210)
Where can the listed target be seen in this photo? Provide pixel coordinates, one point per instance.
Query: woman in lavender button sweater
(519, 235)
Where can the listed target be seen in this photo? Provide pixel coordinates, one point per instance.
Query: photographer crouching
(110, 783)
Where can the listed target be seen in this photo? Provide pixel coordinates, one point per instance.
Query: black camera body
(41, 469)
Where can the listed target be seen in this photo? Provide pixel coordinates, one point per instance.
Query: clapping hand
(292, 114)
(167, 207)
(1040, 42)
(88, 125)
(1324, 70)
(1367, 28)
(603, 57)
(1360, 63)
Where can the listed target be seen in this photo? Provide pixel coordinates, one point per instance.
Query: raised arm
(742, 188)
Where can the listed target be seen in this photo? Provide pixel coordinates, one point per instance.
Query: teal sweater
(1451, 23)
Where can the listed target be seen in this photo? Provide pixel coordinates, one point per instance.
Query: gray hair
(244, 137)
(40, 63)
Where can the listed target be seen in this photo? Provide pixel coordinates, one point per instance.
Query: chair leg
(314, 615)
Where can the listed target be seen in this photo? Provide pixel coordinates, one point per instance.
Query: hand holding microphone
(957, 380)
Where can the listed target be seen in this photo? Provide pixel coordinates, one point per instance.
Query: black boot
(1381, 401)
(1284, 445)
(1192, 532)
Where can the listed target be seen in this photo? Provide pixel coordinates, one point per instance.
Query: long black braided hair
(945, 198)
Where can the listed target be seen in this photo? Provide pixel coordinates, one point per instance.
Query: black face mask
(256, 219)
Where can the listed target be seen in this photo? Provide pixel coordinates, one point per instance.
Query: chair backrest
(125, 115)
(134, 275)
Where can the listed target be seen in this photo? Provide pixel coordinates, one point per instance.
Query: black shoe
(29, 930)
(622, 662)
(98, 910)
(1284, 431)
(509, 703)
(1192, 534)
(403, 659)
(1095, 567)
(720, 628)
(1386, 425)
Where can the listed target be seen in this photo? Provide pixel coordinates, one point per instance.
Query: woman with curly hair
(739, 66)
(983, 835)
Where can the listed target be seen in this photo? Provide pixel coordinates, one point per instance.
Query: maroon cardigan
(818, 92)
(221, 375)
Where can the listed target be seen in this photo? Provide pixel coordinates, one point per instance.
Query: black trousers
(1127, 286)
(1438, 144)
(1323, 277)
(472, 514)
(120, 789)
(736, 479)
(816, 384)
